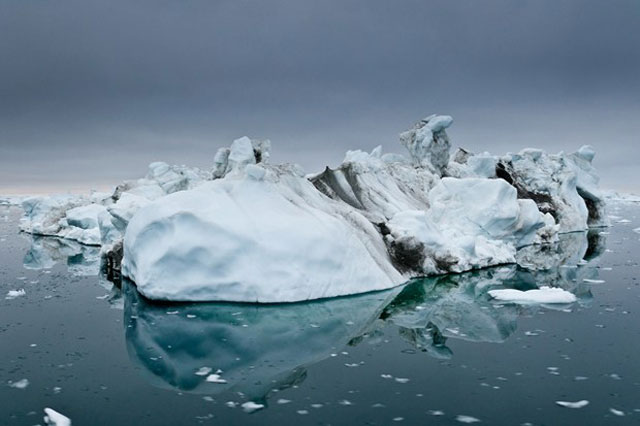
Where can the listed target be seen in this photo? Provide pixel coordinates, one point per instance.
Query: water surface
(436, 351)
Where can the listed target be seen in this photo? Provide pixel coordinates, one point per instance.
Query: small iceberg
(545, 295)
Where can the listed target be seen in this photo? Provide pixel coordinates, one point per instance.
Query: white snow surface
(541, 295)
(249, 231)
(246, 240)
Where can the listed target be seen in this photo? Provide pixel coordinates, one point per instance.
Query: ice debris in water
(53, 418)
(466, 419)
(12, 294)
(203, 371)
(250, 406)
(542, 295)
(577, 404)
(215, 378)
(616, 412)
(592, 281)
(20, 384)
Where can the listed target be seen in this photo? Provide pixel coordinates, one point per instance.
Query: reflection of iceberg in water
(258, 347)
(565, 264)
(81, 260)
(45, 252)
(430, 310)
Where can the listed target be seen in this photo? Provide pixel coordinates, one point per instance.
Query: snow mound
(541, 295)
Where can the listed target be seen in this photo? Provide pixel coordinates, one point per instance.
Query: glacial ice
(250, 231)
(225, 251)
(540, 295)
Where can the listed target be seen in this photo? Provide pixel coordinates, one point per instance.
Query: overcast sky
(91, 92)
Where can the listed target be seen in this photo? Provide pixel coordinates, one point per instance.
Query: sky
(91, 92)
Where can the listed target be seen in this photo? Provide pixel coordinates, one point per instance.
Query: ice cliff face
(250, 231)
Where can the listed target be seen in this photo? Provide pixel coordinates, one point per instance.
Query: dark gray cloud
(90, 92)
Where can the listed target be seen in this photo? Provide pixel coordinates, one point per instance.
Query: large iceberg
(250, 231)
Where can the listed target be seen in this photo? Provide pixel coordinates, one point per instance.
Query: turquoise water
(436, 351)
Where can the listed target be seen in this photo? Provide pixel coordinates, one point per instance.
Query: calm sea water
(436, 351)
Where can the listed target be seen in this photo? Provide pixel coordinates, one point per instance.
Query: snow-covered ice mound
(268, 239)
(250, 231)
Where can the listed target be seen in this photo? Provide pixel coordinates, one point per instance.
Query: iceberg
(88, 219)
(251, 231)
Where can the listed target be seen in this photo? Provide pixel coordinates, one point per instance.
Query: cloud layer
(90, 92)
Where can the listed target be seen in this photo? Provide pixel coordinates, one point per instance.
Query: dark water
(425, 353)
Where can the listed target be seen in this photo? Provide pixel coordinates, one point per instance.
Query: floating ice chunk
(616, 412)
(53, 418)
(636, 230)
(592, 281)
(20, 384)
(466, 419)
(577, 404)
(215, 378)
(203, 371)
(12, 294)
(542, 295)
(250, 406)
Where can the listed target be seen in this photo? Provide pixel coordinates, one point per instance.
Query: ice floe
(539, 295)
(578, 404)
(19, 384)
(12, 294)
